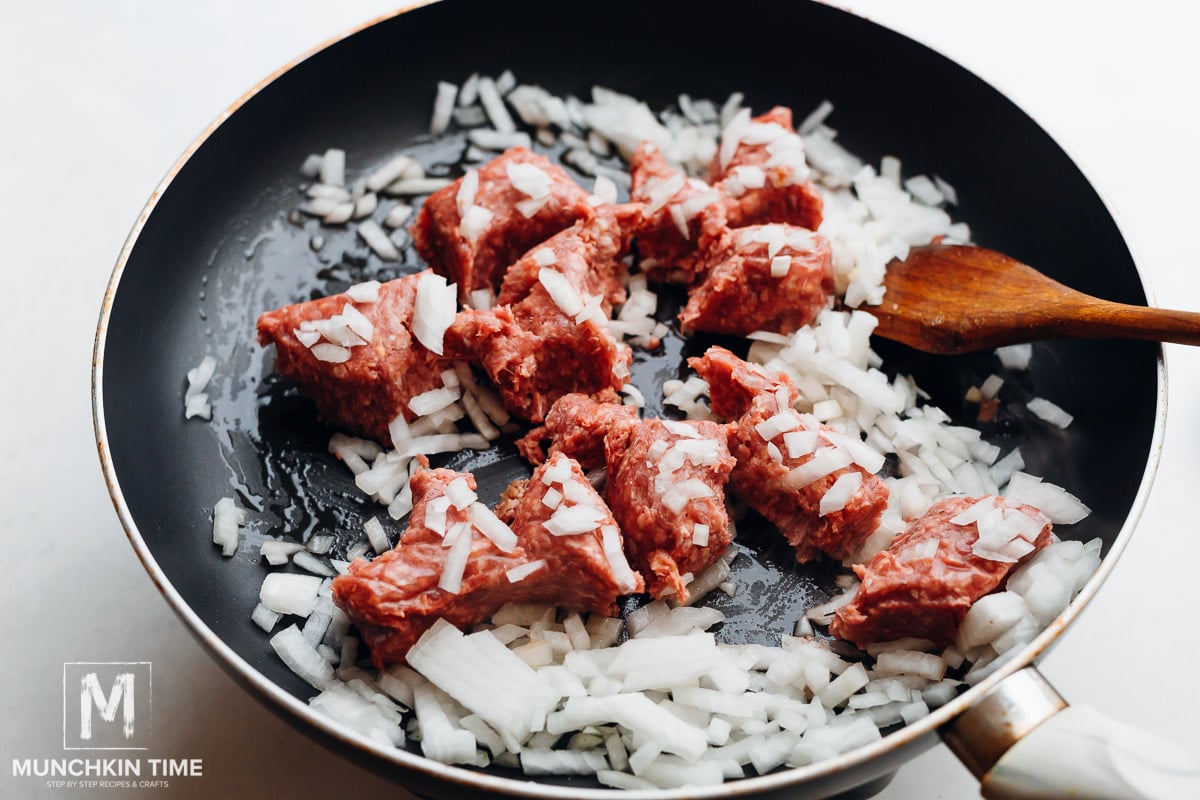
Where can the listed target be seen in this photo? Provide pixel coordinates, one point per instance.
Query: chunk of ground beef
(683, 219)
(778, 452)
(479, 262)
(577, 426)
(665, 478)
(532, 350)
(773, 278)
(924, 583)
(589, 254)
(761, 170)
(374, 384)
(395, 598)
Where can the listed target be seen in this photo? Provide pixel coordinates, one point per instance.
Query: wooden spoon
(955, 299)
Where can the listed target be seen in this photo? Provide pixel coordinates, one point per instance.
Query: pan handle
(1023, 741)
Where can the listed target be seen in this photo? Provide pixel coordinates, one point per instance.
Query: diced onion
(434, 310)
(518, 574)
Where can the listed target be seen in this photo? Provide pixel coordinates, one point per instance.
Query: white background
(97, 100)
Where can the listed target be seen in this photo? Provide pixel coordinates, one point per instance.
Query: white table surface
(97, 99)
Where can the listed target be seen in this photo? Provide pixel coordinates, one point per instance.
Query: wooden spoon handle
(1103, 319)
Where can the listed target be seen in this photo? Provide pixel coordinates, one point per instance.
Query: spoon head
(949, 299)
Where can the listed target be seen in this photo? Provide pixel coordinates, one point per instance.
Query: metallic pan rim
(433, 770)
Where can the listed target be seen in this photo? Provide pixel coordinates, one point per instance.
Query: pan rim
(918, 735)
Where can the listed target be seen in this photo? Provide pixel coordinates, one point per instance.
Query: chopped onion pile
(669, 707)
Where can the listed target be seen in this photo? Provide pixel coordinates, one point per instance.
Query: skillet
(214, 249)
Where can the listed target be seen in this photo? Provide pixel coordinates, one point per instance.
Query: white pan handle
(1023, 742)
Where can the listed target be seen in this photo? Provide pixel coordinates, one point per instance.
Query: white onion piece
(265, 618)
(604, 191)
(365, 292)
(678, 496)
(528, 179)
(339, 214)
(571, 520)
(289, 593)
(398, 216)
(434, 310)
(197, 406)
(531, 206)
(441, 739)
(307, 338)
(681, 620)
(561, 291)
(227, 518)
(659, 191)
(1015, 356)
(392, 171)
(800, 443)
(518, 574)
(991, 387)
(199, 376)
(460, 494)
(677, 216)
(432, 401)
(276, 552)
(455, 564)
(310, 563)
(498, 140)
(825, 461)
(475, 221)
(467, 189)
(376, 535)
(443, 105)
(300, 656)
(989, 617)
(840, 493)
(562, 762)
(377, 239)
(358, 323)
(415, 186)
(333, 167)
(507, 695)
(1044, 409)
(493, 104)
(681, 428)
(623, 574)
(633, 711)
(492, 527)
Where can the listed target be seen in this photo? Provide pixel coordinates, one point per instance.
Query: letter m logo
(111, 708)
(91, 695)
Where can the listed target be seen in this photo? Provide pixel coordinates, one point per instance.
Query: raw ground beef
(909, 592)
(659, 539)
(664, 252)
(589, 253)
(763, 475)
(535, 354)
(771, 148)
(531, 350)
(366, 392)
(395, 598)
(738, 382)
(480, 263)
(577, 426)
(740, 294)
